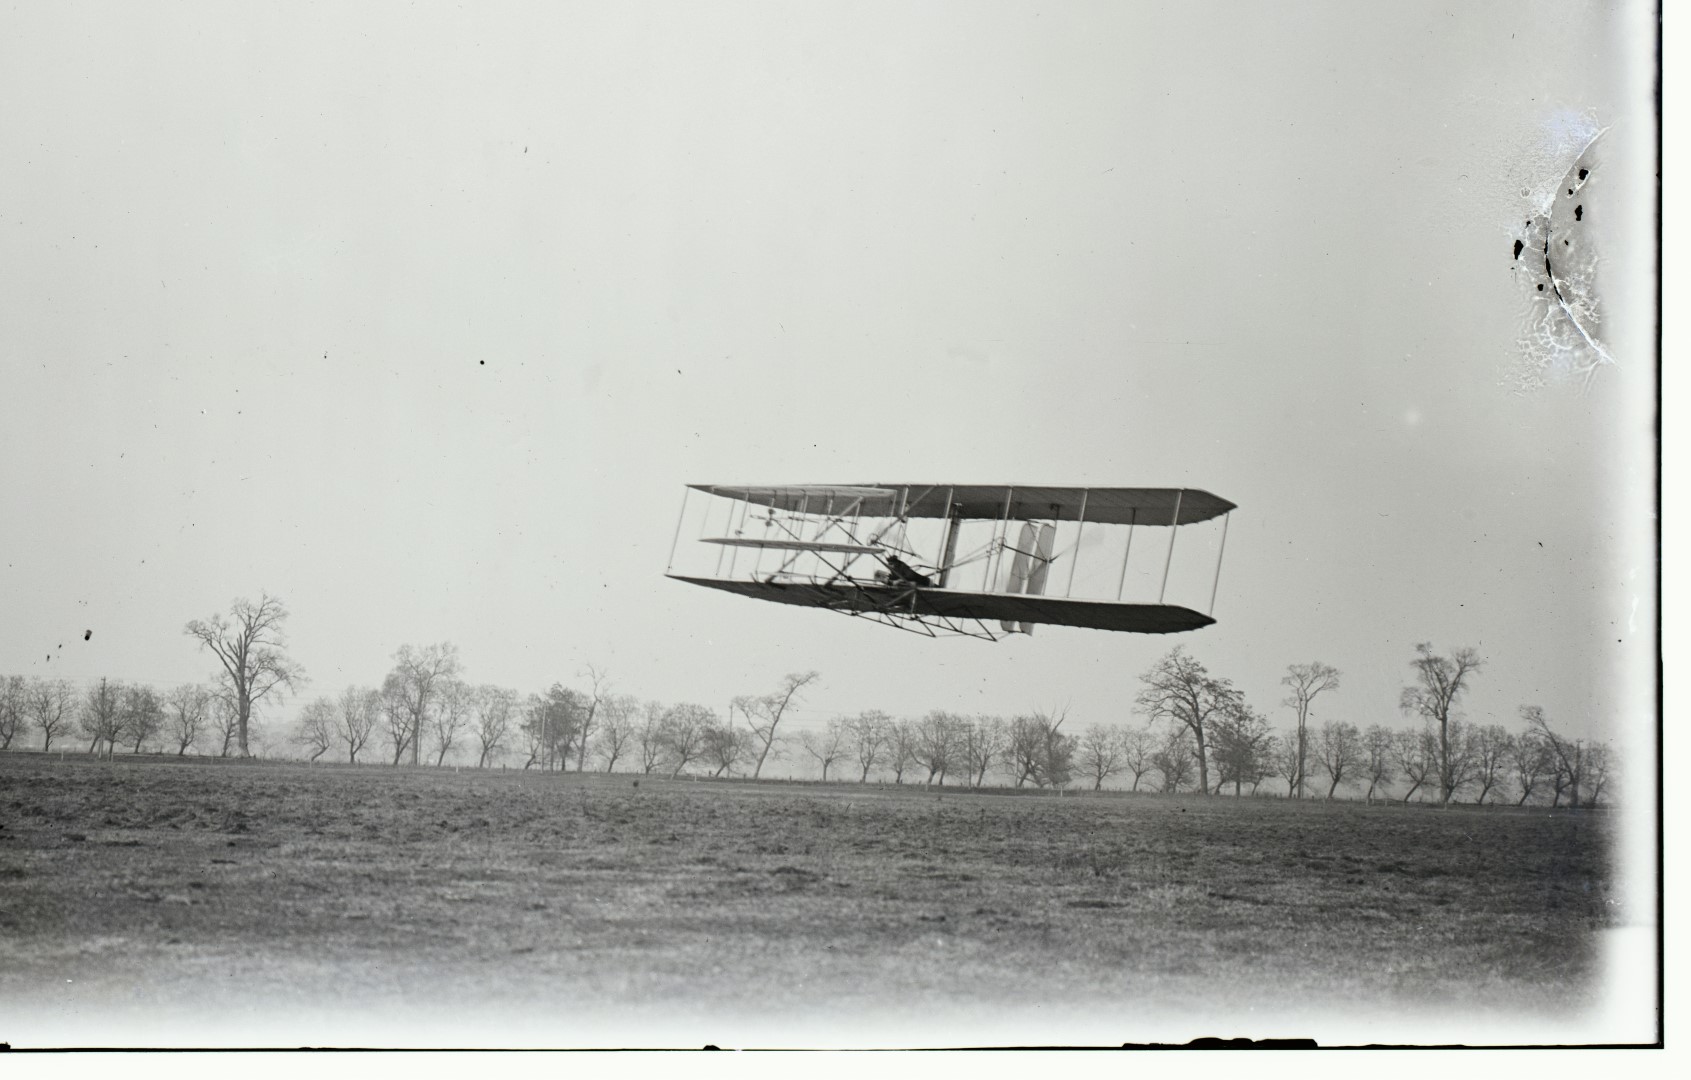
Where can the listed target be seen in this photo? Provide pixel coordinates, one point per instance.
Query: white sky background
(421, 317)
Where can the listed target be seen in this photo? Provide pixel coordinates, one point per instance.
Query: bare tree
(764, 714)
(901, 748)
(1417, 755)
(13, 691)
(496, 710)
(225, 716)
(252, 648)
(684, 729)
(617, 720)
(1379, 761)
(935, 744)
(1174, 759)
(185, 709)
(1239, 745)
(418, 678)
(1137, 747)
(1179, 688)
(1531, 762)
(724, 746)
(599, 687)
(143, 716)
(1599, 771)
(870, 735)
(1490, 748)
(52, 705)
(1570, 757)
(316, 728)
(455, 706)
(829, 745)
(1338, 746)
(1101, 754)
(1305, 681)
(102, 715)
(396, 719)
(650, 736)
(1439, 683)
(1283, 760)
(1042, 749)
(358, 711)
(985, 741)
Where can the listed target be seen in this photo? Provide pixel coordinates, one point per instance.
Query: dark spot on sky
(1564, 243)
(1518, 246)
(483, 363)
(1579, 211)
(86, 634)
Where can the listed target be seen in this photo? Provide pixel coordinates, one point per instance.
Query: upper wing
(1106, 506)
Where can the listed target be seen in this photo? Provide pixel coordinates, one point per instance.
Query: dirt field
(210, 902)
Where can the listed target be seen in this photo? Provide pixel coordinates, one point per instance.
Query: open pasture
(207, 902)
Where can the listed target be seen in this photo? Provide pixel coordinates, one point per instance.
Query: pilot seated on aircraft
(899, 570)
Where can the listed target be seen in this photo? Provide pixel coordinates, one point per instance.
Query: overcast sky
(420, 318)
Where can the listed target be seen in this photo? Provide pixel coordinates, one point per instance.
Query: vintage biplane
(972, 559)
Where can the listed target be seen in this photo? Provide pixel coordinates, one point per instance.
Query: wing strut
(1079, 527)
(1121, 583)
(1219, 553)
(1173, 532)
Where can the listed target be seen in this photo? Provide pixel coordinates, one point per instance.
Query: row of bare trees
(113, 715)
(1228, 742)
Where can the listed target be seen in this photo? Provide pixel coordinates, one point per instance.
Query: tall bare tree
(252, 648)
(186, 709)
(1305, 681)
(764, 713)
(52, 707)
(1338, 746)
(13, 691)
(1180, 689)
(1439, 683)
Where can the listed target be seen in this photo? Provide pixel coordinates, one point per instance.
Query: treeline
(1199, 732)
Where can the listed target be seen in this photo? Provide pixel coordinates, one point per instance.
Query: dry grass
(210, 889)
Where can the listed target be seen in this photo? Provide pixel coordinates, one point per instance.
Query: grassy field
(207, 902)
